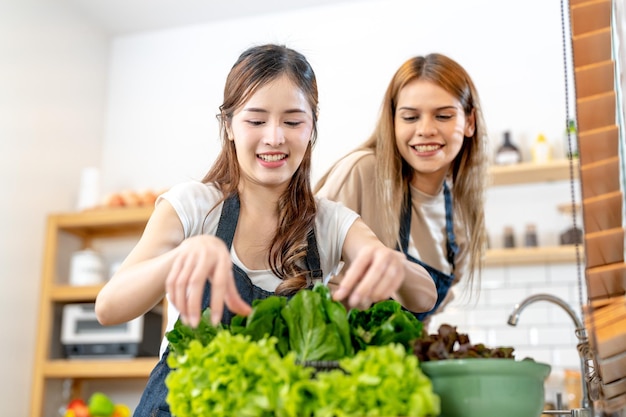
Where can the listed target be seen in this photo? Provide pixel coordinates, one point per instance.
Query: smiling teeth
(426, 148)
(272, 158)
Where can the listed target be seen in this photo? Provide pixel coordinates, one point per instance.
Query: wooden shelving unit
(90, 369)
(528, 173)
(525, 173)
(529, 256)
(50, 364)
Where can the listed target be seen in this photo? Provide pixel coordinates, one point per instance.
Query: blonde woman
(418, 181)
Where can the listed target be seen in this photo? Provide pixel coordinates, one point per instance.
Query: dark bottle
(572, 236)
(509, 237)
(530, 236)
(508, 153)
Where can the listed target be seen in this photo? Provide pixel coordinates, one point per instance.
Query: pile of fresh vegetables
(447, 343)
(98, 405)
(260, 364)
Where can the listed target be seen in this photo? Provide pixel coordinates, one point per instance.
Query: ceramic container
(484, 387)
(86, 268)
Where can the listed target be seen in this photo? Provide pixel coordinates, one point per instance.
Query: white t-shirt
(194, 200)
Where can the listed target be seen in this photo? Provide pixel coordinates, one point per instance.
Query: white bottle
(89, 189)
(541, 151)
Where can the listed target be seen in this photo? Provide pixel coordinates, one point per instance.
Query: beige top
(350, 182)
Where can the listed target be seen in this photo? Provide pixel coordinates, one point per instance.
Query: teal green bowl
(488, 387)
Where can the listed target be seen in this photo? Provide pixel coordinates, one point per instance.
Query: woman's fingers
(374, 275)
(222, 281)
(235, 303)
(194, 294)
(176, 287)
(391, 277)
(201, 259)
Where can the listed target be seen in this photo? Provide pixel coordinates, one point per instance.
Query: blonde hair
(468, 170)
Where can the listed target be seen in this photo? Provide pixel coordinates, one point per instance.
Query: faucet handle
(575, 412)
(581, 412)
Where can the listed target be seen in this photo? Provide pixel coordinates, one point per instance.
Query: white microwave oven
(82, 336)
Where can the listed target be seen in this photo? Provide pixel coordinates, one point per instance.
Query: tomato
(77, 408)
(74, 403)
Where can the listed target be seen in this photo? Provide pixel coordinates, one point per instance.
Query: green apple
(100, 405)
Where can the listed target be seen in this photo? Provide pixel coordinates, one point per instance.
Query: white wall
(165, 87)
(52, 83)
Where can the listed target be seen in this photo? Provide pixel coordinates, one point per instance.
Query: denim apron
(443, 281)
(152, 403)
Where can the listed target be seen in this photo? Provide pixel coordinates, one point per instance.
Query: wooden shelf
(529, 256)
(86, 226)
(98, 368)
(69, 293)
(104, 221)
(524, 173)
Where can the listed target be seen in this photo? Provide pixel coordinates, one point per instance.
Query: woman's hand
(377, 273)
(198, 259)
(374, 275)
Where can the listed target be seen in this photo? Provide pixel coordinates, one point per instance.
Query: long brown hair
(468, 170)
(256, 67)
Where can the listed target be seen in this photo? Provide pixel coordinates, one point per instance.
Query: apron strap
(312, 259)
(228, 220)
(452, 248)
(405, 222)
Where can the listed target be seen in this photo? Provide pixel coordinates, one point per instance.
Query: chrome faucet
(583, 346)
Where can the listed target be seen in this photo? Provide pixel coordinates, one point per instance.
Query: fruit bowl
(488, 387)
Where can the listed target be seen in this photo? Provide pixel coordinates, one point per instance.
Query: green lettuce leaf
(265, 320)
(318, 327)
(231, 376)
(181, 335)
(383, 323)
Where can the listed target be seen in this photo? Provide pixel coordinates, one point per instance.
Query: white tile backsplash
(494, 277)
(544, 332)
(566, 359)
(507, 297)
(512, 336)
(537, 314)
(489, 316)
(544, 355)
(567, 272)
(557, 336)
(527, 275)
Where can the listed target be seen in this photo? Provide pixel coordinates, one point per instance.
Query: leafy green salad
(257, 366)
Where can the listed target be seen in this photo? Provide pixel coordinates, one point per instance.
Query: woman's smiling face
(271, 132)
(430, 126)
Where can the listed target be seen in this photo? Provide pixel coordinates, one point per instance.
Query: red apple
(79, 407)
